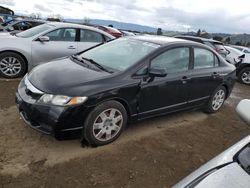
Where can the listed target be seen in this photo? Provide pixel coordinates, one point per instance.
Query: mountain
(117, 24)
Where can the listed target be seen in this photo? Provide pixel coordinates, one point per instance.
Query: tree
(238, 43)
(159, 31)
(219, 38)
(86, 20)
(248, 44)
(36, 15)
(228, 40)
(198, 33)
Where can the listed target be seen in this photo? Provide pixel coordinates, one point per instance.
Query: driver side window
(174, 60)
(65, 34)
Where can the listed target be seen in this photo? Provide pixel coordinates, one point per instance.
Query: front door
(62, 42)
(164, 94)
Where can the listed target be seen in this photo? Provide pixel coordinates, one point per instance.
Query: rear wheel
(12, 65)
(217, 100)
(244, 76)
(105, 123)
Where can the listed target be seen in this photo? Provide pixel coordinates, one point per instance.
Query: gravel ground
(153, 153)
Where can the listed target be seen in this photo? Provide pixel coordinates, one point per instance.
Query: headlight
(61, 100)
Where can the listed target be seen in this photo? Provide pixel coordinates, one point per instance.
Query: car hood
(222, 159)
(65, 77)
(229, 176)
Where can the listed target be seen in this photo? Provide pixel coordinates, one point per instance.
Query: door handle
(184, 79)
(215, 74)
(71, 47)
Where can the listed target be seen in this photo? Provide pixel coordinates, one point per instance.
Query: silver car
(230, 169)
(21, 52)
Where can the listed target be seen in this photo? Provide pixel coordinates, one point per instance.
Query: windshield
(120, 54)
(34, 31)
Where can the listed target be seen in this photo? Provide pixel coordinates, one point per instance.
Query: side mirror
(43, 39)
(153, 72)
(243, 109)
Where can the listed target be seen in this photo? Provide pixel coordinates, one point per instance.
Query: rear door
(88, 39)
(205, 76)
(62, 42)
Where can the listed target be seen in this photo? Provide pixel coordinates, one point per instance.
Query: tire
(217, 100)
(105, 123)
(244, 76)
(12, 65)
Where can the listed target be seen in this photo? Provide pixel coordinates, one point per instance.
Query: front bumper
(48, 119)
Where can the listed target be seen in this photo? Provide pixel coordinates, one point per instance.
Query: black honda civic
(102, 89)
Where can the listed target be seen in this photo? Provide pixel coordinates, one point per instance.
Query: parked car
(234, 56)
(216, 45)
(21, 25)
(115, 32)
(21, 52)
(229, 169)
(128, 79)
(6, 11)
(244, 49)
(126, 33)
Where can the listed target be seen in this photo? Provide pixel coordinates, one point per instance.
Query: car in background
(127, 79)
(21, 52)
(216, 45)
(112, 31)
(229, 169)
(21, 25)
(244, 49)
(234, 56)
(242, 64)
(127, 33)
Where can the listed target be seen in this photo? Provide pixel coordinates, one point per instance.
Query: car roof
(161, 40)
(64, 24)
(198, 38)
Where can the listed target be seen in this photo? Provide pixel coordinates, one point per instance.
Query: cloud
(41, 8)
(215, 16)
(215, 20)
(7, 2)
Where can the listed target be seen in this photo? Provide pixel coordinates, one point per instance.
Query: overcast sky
(229, 16)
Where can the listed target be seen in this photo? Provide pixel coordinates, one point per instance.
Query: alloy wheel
(107, 124)
(10, 66)
(245, 77)
(218, 99)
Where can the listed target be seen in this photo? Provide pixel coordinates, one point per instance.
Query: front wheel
(105, 123)
(217, 100)
(12, 65)
(244, 76)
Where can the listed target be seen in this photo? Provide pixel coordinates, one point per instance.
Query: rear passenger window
(90, 36)
(174, 60)
(204, 59)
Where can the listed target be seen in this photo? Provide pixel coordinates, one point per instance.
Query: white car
(21, 52)
(230, 169)
(234, 55)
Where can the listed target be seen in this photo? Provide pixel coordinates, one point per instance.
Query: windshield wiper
(75, 57)
(97, 65)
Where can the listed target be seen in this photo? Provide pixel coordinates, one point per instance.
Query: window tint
(175, 60)
(65, 34)
(204, 59)
(90, 36)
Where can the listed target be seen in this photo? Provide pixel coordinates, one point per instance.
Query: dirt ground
(152, 153)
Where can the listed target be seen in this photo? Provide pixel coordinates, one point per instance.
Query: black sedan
(99, 90)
